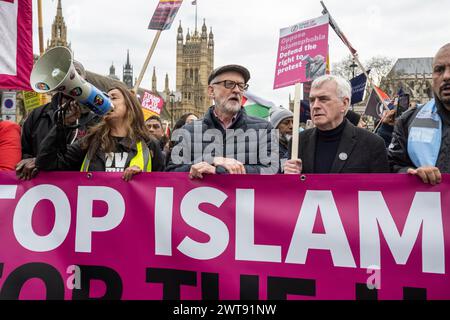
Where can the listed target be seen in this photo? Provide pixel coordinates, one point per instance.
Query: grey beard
(225, 108)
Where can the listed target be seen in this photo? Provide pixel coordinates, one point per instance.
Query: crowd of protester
(417, 143)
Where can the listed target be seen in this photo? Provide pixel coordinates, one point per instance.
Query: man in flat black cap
(226, 140)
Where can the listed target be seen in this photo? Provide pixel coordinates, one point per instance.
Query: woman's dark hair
(178, 125)
(155, 118)
(182, 121)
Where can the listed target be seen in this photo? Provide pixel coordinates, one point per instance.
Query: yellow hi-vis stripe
(142, 157)
(138, 160)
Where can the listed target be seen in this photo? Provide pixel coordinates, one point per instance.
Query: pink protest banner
(152, 105)
(16, 44)
(302, 52)
(163, 236)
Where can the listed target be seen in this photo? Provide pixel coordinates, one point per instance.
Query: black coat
(398, 150)
(50, 158)
(385, 131)
(284, 152)
(243, 123)
(39, 123)
(366, 152)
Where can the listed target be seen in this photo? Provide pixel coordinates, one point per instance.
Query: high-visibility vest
(142, 159)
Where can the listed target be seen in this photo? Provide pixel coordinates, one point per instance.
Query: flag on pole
(374, 106)
(358, 87)
(256, 106)
(167, 131)
(164, 14)
(16, 44)
(339, 32)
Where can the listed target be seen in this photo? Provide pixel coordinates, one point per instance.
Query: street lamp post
(353, 66)
(172, 100)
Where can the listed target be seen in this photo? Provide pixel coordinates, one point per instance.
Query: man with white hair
(335, 145)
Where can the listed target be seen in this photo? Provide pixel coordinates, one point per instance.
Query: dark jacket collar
(239, 122)
(346, 146)
(443, 112)
(126, 143)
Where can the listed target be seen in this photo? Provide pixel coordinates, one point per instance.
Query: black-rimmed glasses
(229, 84)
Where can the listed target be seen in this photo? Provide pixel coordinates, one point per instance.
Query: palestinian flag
(256, 106)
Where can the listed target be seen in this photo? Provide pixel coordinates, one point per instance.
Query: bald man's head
(443, 48)
(441, 75)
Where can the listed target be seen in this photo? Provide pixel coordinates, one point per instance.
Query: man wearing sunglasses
(155, 128)
(231, 141)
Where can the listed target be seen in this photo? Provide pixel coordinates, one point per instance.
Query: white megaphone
(55, 71)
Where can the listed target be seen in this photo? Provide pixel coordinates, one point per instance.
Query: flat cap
(230, 67)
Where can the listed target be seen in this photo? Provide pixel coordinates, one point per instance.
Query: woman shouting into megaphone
(119, 143)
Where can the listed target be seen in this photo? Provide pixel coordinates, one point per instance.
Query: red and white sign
(152, 105)
(16, 45)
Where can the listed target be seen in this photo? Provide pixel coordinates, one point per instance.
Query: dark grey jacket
(365, 151)
(194, 146)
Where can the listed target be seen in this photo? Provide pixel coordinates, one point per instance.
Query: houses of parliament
(194, 63)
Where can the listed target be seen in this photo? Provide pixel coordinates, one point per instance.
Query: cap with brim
(231, 67)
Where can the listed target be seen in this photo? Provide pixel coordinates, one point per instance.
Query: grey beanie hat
(278, 114)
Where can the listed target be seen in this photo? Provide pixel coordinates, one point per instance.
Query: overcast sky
(246, 32)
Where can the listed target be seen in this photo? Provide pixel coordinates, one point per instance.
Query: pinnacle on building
(154, 83)
(128, 72)
(59, 30)
(112, 72)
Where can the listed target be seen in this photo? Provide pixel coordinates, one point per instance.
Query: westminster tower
(195, 61)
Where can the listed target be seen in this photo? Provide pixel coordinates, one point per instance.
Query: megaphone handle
(61, 134)
(59, 118)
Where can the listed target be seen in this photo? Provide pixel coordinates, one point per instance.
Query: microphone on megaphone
(55, 71)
